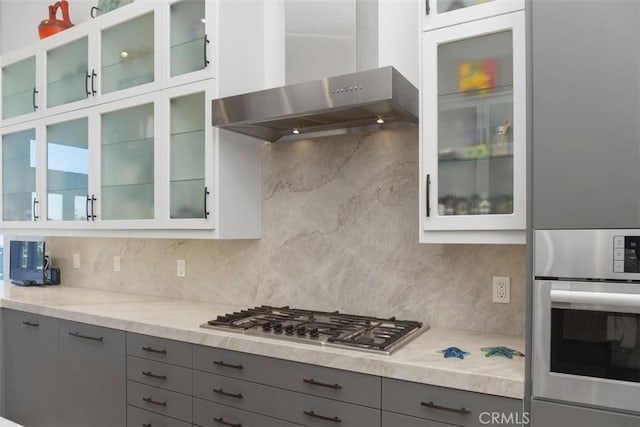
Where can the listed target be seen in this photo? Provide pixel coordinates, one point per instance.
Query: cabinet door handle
(322, 417)
(33, 99)
(206, 212)
(93, 76)
(226, 393)
(222, 421)
(93, 206)
(153, 350)
(86, 83)
(86, 337)
(227, 365)
(428, 195)
(35, 215)
(144, 424)
(206, 42)
(428, 7)
(29, 323)
(314, 382)
(432, 405)
(155, 402)
(152, 375)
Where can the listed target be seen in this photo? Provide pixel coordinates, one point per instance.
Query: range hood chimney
(317, 45)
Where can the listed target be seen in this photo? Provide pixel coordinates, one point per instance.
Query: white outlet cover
(76, 260)
(181, 267)
(502, 289)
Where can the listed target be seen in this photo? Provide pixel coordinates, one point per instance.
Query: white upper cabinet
(473, 133)
(443, 13)
(21, 87)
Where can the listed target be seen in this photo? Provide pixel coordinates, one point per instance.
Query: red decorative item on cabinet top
(53, 25)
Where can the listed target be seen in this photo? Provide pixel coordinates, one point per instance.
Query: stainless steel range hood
(365, 100)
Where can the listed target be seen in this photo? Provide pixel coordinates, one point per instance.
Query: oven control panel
(626, 254)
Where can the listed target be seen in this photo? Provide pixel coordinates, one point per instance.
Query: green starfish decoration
(501, 351)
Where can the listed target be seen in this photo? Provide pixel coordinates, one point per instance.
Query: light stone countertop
(417, 361)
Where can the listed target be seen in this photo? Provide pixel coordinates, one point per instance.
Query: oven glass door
(593, 343)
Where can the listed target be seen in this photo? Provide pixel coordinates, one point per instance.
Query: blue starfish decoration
(501, 351)
(454, 352)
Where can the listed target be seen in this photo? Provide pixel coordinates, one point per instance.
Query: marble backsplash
(340, 232)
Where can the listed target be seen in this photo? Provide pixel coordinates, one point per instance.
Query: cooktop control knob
(289, 329)
(314, 333)
(301, 331)
(277, 328)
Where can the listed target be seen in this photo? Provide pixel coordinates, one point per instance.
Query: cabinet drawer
(284, 404)
(335, 384)
(160, 349)
(389, 419)
(164, 402)
(137, 417)
(158, 374)
(209, 414)
(444, 404)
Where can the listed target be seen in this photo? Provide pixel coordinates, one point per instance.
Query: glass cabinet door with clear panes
(21, 196)
(442, 13)
(69, 201)
(128, 61)
(190, 156)
(21, 95)
(128, 163)
(189, 41)
(473, 133)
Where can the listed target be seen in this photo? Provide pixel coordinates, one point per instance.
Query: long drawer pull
(155, 402)
(152, 375)
(227, 365)
(314, 382)
(146, 424)
(29, 323)
(226, 393)
(221, 420)
(86, 337)
(322, 417)
(153, 350)
(432, 405)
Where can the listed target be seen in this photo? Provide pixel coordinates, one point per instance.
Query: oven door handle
(616, 302)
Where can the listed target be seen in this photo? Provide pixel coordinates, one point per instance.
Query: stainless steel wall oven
(586, 317)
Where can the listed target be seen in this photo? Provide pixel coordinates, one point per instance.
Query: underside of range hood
(365, 100)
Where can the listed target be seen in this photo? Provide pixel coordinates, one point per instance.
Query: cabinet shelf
(28, 92)
(474, 159)
(128, 141)
(488, 94)
(187, 133)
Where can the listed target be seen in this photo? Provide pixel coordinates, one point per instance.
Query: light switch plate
(181, 267)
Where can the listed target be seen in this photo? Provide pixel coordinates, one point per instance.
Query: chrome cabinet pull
(86, 337)
(155, 402)
(432, 405)
(227, 365)
(226, 393)
(33, 98)
(153, 350)
(93, 76)
(152, 375)
(322, 417)
(35, 215)
(314, 382)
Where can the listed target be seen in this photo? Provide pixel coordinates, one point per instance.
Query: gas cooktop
(322, 328)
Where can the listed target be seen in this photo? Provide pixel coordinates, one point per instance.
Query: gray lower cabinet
(550, 414)
(450, 406)
(30, 368)
(91, 365)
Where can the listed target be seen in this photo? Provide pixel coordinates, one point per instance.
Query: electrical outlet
(501, 289)
(116, 263)
(181, 268)
(76, 260)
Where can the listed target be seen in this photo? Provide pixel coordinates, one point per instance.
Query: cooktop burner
(323, 328)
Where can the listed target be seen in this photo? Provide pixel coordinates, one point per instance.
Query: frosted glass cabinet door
(67, 68)
(127, 164)
(441, 13)
(188, 44)
(128, 54)
(19, 202)
(19, 88)
(68, 170)
(187, 157)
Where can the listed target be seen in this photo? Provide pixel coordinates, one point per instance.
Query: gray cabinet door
(547, 414)
(30, 378)
(586, 108)
(92, 369)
